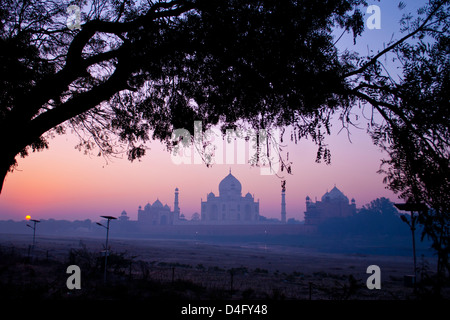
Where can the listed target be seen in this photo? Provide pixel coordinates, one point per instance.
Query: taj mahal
(230, 207)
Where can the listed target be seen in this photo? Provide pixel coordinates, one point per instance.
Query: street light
(108, 218)
(265, 240)
(411, 207)
(34, 229)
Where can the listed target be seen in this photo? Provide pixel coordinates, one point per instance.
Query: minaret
(176, 208)
(283, 202)
(353, 205)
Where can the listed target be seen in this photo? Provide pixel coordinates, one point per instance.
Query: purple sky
(62, 183)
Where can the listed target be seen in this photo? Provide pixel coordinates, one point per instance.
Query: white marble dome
(230, 186)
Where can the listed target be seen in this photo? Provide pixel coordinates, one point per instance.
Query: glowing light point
(28, 217)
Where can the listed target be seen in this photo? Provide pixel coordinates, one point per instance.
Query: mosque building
(334, 204)
(159, 214)
(230, 207)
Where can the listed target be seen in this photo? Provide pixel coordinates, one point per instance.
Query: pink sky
(62, 183)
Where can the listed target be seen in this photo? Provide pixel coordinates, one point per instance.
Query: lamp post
(411, 207)
(265, 240)
(34, 229)
(108, 218)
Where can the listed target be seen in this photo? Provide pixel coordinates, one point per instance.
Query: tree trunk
(3, 173)
(4, 168)
(7, 159)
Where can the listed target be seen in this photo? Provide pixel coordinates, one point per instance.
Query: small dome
(211, 195)
(147, 206)
(176, 189)
(124, 213)
(166, 207)
(157, 204)
(308, 198)
(248, 195)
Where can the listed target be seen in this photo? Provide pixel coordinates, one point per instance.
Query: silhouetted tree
(416, 132)
(382, 206)
(377, 217)
(136, 71)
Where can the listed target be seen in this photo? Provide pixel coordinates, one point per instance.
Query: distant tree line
(50, 226)
(379, 217)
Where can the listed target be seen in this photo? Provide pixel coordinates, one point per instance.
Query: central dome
(335, 195)
(230, 186)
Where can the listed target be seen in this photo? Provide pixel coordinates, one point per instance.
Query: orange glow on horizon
(62, 183)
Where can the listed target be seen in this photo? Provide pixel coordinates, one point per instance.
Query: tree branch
(79, 104)
(392, 46)
(420, 135)
(75, 66)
